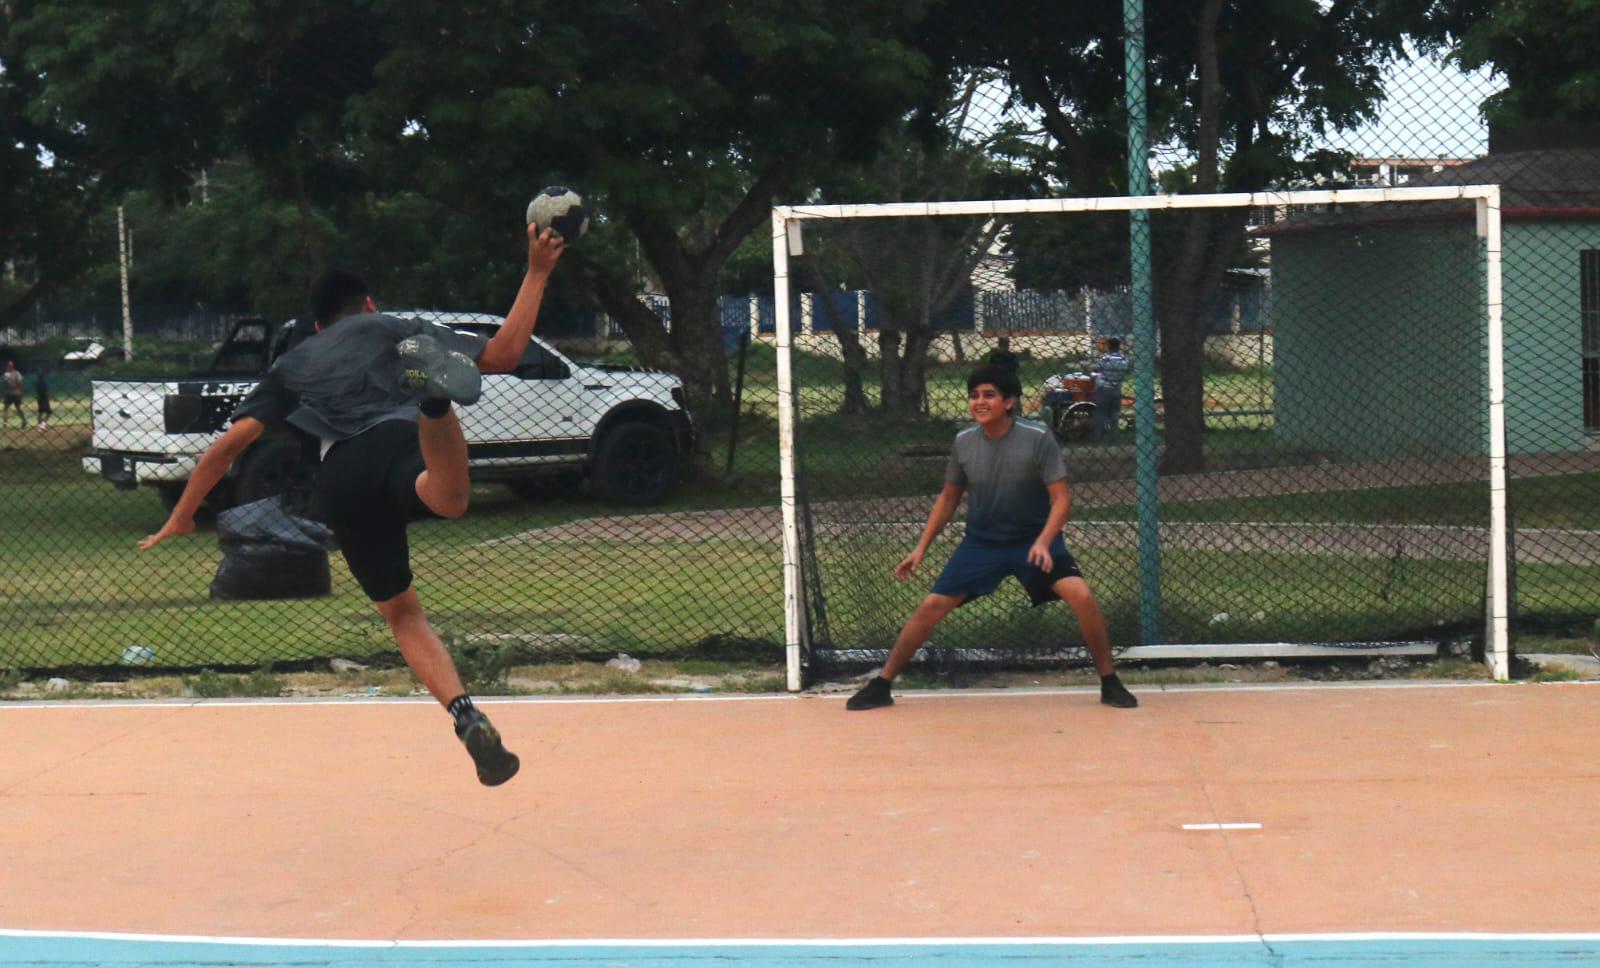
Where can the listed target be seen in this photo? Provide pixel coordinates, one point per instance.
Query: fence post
(1146, 447)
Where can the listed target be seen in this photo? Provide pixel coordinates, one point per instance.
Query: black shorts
(367, 493)
(13, 400)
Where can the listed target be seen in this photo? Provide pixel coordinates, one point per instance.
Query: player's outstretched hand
(907, 565)
(1039, 555)
(174, 527)
(544, 249)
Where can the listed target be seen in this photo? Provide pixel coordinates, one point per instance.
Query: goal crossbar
(1130, 203)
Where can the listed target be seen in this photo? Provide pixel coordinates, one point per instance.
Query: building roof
(1549, 179)
(1541, 185)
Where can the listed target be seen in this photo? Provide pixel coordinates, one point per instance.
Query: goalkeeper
(1015, 513)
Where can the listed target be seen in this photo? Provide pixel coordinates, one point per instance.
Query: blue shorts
(978, 567)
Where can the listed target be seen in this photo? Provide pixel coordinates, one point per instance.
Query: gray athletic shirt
(1005, 478)
(347, 378)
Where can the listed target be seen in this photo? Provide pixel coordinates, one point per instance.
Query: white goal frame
(787, 239)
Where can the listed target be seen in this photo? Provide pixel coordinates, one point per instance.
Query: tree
(51, 199)
(917, 269)
(682, 122)
(1545, 50)
(156, 92)
(1243, 90)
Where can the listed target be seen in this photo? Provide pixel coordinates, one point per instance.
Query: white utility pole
(127, 312)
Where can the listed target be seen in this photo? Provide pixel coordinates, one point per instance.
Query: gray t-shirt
(1006, 480)
(347, 378)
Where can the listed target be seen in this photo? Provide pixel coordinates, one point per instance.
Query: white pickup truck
(552, 421)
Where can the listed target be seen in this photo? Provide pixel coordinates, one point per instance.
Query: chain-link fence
(1325, 432)
(1319, 375)
(591, 531)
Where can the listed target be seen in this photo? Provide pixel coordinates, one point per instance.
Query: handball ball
(559, 208)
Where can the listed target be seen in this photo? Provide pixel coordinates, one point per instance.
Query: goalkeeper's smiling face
(988, 406)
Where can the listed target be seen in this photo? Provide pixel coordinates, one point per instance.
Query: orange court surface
(1453, 824)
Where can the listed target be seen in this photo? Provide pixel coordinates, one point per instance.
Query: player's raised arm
(506, 348)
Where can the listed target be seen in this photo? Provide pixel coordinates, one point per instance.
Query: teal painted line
(63, 952)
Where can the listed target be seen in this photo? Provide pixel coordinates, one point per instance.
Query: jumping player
(377, 392)
(1015, 513)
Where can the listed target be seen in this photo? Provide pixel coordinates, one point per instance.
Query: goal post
(874, 304)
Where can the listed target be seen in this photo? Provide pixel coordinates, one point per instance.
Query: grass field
(74, 591)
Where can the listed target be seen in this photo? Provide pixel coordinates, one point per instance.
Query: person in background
(13, 393)
(1002, 356)
(41, 399)
(1108, 371)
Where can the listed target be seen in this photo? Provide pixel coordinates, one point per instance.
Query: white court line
(1221, 826)
(798, 942)
(776, 697)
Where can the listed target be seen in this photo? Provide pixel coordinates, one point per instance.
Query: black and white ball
(559, 208)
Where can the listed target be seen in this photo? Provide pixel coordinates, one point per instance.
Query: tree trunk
(697, 341)
(903, 365)
(1182, 343)
(890, 366)
(621, 303)
(854, 358)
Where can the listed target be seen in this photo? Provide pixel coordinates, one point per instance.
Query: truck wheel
(270, 469)
(636, 464)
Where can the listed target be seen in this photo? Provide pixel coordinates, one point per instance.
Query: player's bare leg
(928, 614)
(1078, 596)
(421, 647)
(443, 485)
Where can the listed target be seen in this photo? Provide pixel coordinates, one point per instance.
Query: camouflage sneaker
(433, 372)
(496, 764)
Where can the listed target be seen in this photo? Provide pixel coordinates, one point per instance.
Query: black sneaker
(431, 371)
(495, 763)
(872, 695)
(1114, 693)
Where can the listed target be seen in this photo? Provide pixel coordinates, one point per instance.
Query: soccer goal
(1284, 433)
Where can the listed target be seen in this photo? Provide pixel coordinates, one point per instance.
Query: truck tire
(269, 469)
(636, 463)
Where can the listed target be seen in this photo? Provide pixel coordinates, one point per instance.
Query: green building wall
(1544, 334)
(1379, 338)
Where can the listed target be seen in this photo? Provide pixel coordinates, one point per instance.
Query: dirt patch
(56, 438)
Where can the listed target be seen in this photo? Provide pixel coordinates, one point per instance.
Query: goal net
(1282, 428)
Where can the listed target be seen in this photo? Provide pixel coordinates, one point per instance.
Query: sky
(1432, 110)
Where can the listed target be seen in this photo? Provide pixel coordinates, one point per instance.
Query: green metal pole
(1144, 331)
